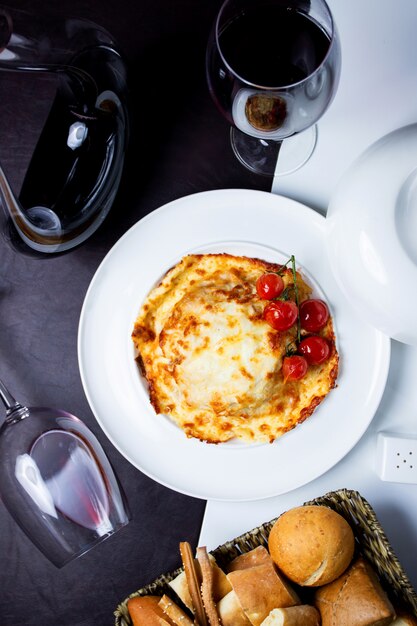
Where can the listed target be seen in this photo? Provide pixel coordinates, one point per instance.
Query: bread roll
(145, 611)
(303, 615)
(311, 545)
(355, 599)
(260, 589)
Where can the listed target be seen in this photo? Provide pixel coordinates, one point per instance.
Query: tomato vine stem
(294, 276)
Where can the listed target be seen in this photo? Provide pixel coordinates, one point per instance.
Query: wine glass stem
(7, 398)
(14, 410)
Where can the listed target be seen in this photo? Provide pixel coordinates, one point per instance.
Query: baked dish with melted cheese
(212, 361)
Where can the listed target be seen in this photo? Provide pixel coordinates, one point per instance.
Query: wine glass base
(273, 158)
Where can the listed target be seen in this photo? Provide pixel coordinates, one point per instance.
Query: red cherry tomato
(281, 314)
(294, 367)
(269, 286)
(313, 315)
(314, 349)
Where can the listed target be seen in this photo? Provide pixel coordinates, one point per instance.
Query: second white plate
(239, 222)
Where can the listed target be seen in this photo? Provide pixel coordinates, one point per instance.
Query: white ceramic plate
(240, 222)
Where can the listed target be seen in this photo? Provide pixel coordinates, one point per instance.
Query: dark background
(179, 146)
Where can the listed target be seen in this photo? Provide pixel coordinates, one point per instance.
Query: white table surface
(377, 94)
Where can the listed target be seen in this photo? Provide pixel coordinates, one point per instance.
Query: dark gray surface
(179, 146)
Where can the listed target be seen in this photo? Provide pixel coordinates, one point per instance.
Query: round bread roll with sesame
(311, 545)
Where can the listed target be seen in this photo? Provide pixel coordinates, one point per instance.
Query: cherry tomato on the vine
(313, 315)
(281, 314)
(314, 349)
(269, 286)
(294, 367)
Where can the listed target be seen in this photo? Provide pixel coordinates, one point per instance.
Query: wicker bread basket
(370, 537)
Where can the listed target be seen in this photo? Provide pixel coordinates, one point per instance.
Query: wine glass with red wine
(273, 68)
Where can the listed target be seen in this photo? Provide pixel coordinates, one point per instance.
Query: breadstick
(193, 583)
(207, 587)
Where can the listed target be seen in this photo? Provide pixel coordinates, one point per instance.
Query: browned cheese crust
(213, 364)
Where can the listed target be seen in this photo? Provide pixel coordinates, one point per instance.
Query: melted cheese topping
(212, 362)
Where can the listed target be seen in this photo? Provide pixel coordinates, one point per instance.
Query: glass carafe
(76, 167)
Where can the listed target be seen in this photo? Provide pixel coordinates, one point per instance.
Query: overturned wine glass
(76, 167)
(56, 481)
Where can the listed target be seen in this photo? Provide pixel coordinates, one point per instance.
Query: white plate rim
(238, 202)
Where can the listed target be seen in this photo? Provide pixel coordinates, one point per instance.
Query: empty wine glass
(273, 68)
(56, 481)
